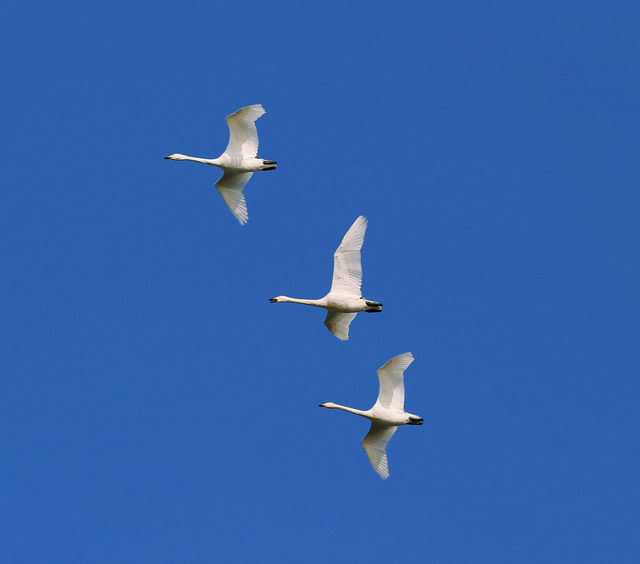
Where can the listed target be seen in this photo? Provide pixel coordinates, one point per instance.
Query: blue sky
(155, 406)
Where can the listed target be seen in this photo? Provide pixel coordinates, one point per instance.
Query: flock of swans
(343, 302)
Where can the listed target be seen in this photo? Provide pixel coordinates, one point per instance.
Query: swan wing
(391, 377)
(375, 444)
(230, 187)
(243, 135)
(338, 323)
(347, 267)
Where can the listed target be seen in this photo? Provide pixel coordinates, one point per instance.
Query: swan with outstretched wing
(239, 160)
(345, 299)
(387, 414)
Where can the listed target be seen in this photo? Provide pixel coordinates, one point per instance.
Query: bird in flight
(386, 414)
(345, 299)
(239, 160)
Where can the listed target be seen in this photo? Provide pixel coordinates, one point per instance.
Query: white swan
(239, 160)
(344, 300)
(386, 414)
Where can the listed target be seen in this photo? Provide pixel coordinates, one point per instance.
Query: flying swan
(344, 300)
(386, 414)
(239, 160)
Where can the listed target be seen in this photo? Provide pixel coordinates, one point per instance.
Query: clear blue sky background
(156, 408)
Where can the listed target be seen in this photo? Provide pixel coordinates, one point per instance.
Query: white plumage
(386, 414)
(345, 299)
(239, 160)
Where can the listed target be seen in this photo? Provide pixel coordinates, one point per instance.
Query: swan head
(176, 157)
(328, 404)
(279, 299)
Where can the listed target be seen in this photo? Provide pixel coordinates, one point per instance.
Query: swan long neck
(316, 303)
(331, 405)
(180, 157)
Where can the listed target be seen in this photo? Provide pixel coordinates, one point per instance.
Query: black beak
(273, 300)
(166, 158)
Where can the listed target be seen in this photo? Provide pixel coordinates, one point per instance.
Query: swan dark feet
(415, 420)
(373, 307)
(268, 165)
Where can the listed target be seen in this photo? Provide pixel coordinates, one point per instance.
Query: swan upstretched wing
(347, 267)
(338, 323)
(375, 443)
(391, 377)
(243, 135)
(230, 187)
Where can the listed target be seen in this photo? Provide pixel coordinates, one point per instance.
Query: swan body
(387, 414)
(345, 299)
(239, 160)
